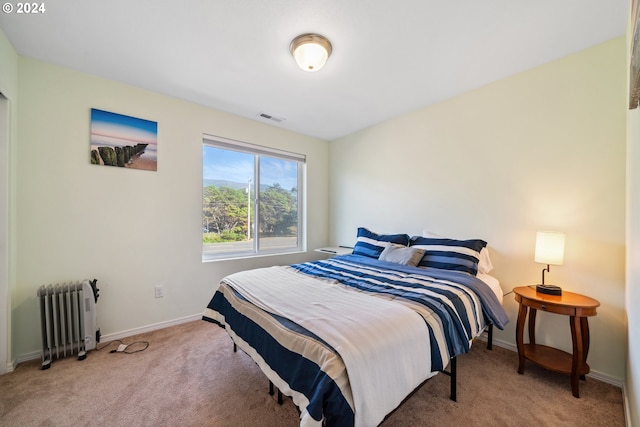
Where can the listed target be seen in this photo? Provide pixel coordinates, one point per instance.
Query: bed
(350, 337)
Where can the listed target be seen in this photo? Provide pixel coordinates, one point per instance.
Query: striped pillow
(450, 254)
(372, 244)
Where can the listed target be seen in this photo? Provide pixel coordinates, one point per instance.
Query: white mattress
(493, 283)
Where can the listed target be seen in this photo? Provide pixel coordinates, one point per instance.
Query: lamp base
(549, 289)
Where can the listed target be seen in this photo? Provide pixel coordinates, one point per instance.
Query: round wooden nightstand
(579, 308)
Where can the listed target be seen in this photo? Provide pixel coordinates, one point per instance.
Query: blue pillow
(372, 244)
(450, 254)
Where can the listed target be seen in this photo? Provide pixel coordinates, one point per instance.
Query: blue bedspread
(407, 283)
(490, 304)
(455, 306)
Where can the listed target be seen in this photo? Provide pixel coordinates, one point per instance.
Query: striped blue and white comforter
(341, 355)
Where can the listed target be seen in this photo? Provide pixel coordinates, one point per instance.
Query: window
(251, 200)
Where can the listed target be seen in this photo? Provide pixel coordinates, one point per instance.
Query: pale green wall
(544, 149)
(130, 229)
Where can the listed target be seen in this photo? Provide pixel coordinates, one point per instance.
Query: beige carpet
(189, 376)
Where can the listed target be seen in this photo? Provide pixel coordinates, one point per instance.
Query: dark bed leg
(235, 348)
(454, 375)
(271, 392)
(490, 337)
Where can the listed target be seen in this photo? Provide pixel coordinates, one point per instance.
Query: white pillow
(484, 262)
(404, 255)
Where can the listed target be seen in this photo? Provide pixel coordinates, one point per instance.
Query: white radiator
(68, 320)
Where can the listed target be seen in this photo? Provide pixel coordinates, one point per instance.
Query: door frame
(6, 364)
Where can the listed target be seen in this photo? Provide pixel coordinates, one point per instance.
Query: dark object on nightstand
(549, 289)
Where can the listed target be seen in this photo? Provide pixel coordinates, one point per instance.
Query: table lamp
(550, 251)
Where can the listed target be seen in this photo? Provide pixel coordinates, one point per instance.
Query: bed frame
(452, 373)
(227, 305)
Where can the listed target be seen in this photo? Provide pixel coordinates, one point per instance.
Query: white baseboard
(593, 374)
(25, 358)
(506, 344)
(149, 328)
(500, 343)
(596, 375)
(625, 404)
(110, 337)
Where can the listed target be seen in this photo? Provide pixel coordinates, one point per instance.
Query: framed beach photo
(123, 141)
(634, 72)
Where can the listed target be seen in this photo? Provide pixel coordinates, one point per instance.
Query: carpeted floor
(189, 376)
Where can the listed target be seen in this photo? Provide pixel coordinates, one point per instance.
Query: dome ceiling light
(310, 51)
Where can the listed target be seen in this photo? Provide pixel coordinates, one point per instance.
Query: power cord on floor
(125, 348)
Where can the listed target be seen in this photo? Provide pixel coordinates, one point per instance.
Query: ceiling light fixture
(310, 51)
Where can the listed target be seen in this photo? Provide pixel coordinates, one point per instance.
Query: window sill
(229, 257)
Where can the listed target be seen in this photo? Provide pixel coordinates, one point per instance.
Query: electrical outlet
(159, 291)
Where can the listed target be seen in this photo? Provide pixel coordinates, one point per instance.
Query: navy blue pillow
(372, 244)
(449, 254)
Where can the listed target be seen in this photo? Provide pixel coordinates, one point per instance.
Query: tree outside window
(250, 200)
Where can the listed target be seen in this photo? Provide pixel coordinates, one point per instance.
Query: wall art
(124, 141)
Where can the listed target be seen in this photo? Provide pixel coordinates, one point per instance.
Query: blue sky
(117, 129)
(238, 167)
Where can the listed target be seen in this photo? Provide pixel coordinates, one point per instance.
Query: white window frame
(257, 151)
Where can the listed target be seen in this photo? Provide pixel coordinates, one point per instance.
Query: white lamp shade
(310, 51)
(549, 248)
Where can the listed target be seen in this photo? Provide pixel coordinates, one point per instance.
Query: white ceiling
(389, 57)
